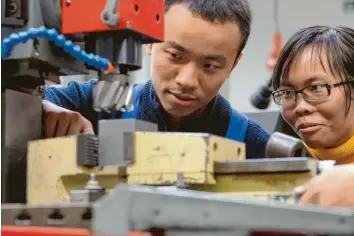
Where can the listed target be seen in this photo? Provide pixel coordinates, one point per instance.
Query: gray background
(251, 71)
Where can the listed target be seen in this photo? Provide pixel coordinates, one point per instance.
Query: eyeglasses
(311, 93)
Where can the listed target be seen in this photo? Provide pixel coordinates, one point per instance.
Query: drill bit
(113, 91)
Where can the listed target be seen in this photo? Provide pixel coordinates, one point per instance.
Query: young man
(203, 44)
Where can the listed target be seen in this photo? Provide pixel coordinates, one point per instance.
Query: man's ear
(148, 48)
(237, 60)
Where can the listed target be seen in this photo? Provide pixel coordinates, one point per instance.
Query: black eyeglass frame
(329, 87)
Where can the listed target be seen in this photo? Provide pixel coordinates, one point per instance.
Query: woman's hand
(333, 187)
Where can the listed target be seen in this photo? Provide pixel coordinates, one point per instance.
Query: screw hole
(157, 18)
(56, 215)
(136, 8)
(13, 8)
(23, 218)
(87, 215)
(55, 218)
(105, 16)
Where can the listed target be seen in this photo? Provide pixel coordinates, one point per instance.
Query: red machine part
(41, 231)
(142, 16)
(53, 231)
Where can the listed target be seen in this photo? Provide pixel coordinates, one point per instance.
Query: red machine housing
(143, 16)
(55, 231)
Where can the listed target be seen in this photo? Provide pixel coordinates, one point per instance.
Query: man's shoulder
(138, 87)
(73, 95)
(85, 86)
(256, 140)
(255, 128)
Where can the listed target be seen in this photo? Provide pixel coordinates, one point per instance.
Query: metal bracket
(109, 15)
(14, 13)
(149, 207)
(116, 140)
(73, 215)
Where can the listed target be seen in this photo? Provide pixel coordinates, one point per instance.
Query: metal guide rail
(131, 208)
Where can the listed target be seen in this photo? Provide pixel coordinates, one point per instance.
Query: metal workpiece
(87, 150)
(117, 140)
(148, 207)
(282, 145)
(73, 215)
(267, 165)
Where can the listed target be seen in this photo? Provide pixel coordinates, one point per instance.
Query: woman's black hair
(337, 43)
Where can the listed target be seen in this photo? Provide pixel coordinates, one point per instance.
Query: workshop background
(269, 17)
(292, 15)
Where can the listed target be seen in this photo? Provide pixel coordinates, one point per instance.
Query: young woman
(314, 87)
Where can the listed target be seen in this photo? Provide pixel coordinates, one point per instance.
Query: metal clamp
(282, 145)
(109, 15)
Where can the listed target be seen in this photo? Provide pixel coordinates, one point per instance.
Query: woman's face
(324, 123)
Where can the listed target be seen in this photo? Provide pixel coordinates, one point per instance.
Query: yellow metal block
(160, 158)
(256, 183)
(165, 158)
(52, 171)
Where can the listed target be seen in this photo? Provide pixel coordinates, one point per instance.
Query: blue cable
(10, 42)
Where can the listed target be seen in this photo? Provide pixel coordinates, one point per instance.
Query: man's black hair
(335, 45)
(221, 11)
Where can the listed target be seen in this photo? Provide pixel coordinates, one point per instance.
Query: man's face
(193, 62)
